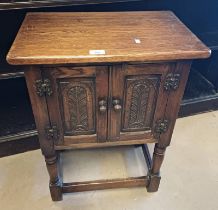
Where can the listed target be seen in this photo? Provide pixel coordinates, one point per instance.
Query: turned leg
(40, 111)
(154, 173)
(171, 110)
(55, 183)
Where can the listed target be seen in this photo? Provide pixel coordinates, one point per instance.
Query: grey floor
(189, 174)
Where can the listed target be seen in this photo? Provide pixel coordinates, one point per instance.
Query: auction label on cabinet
(97, 52)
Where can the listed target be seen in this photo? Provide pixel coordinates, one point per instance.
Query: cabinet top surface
(93, 37)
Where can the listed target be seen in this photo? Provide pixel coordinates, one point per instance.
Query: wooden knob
(102, 106)
(116, 104)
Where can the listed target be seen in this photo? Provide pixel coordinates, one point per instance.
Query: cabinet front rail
(105, 184)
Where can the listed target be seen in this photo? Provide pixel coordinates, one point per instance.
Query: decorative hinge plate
(43, 87)
(161, 126)
(52, 132)
(172, 82)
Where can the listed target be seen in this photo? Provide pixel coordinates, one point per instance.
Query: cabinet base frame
(141, 181)
(105, 184)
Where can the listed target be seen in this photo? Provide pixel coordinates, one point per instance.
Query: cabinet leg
(55, 183)
(154, 173)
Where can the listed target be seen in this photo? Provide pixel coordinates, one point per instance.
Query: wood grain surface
(67, 38)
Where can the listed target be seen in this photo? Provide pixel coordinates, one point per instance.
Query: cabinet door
(78, 104)
(138, 100)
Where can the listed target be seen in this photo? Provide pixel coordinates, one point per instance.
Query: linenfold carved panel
(139, 102)
(76, 97)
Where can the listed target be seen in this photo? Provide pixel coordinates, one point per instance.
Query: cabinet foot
(154, 183)
(56, 191)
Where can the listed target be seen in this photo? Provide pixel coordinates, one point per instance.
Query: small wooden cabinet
(105, 79)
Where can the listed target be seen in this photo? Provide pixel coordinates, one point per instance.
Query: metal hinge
(172, 82)
(52, 132)
(43, 87)
(161, 126)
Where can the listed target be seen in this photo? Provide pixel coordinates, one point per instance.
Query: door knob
(116, 105)
(102, 106)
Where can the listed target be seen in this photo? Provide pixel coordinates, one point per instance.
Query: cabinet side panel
(39, 106)
(174, 100)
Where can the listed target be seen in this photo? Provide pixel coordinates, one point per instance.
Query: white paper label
(137, 41)
(97, 52)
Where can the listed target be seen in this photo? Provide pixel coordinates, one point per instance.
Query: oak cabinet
(105, 79)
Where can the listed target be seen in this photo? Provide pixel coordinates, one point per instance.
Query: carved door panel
(138, 100)
(78, 104)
